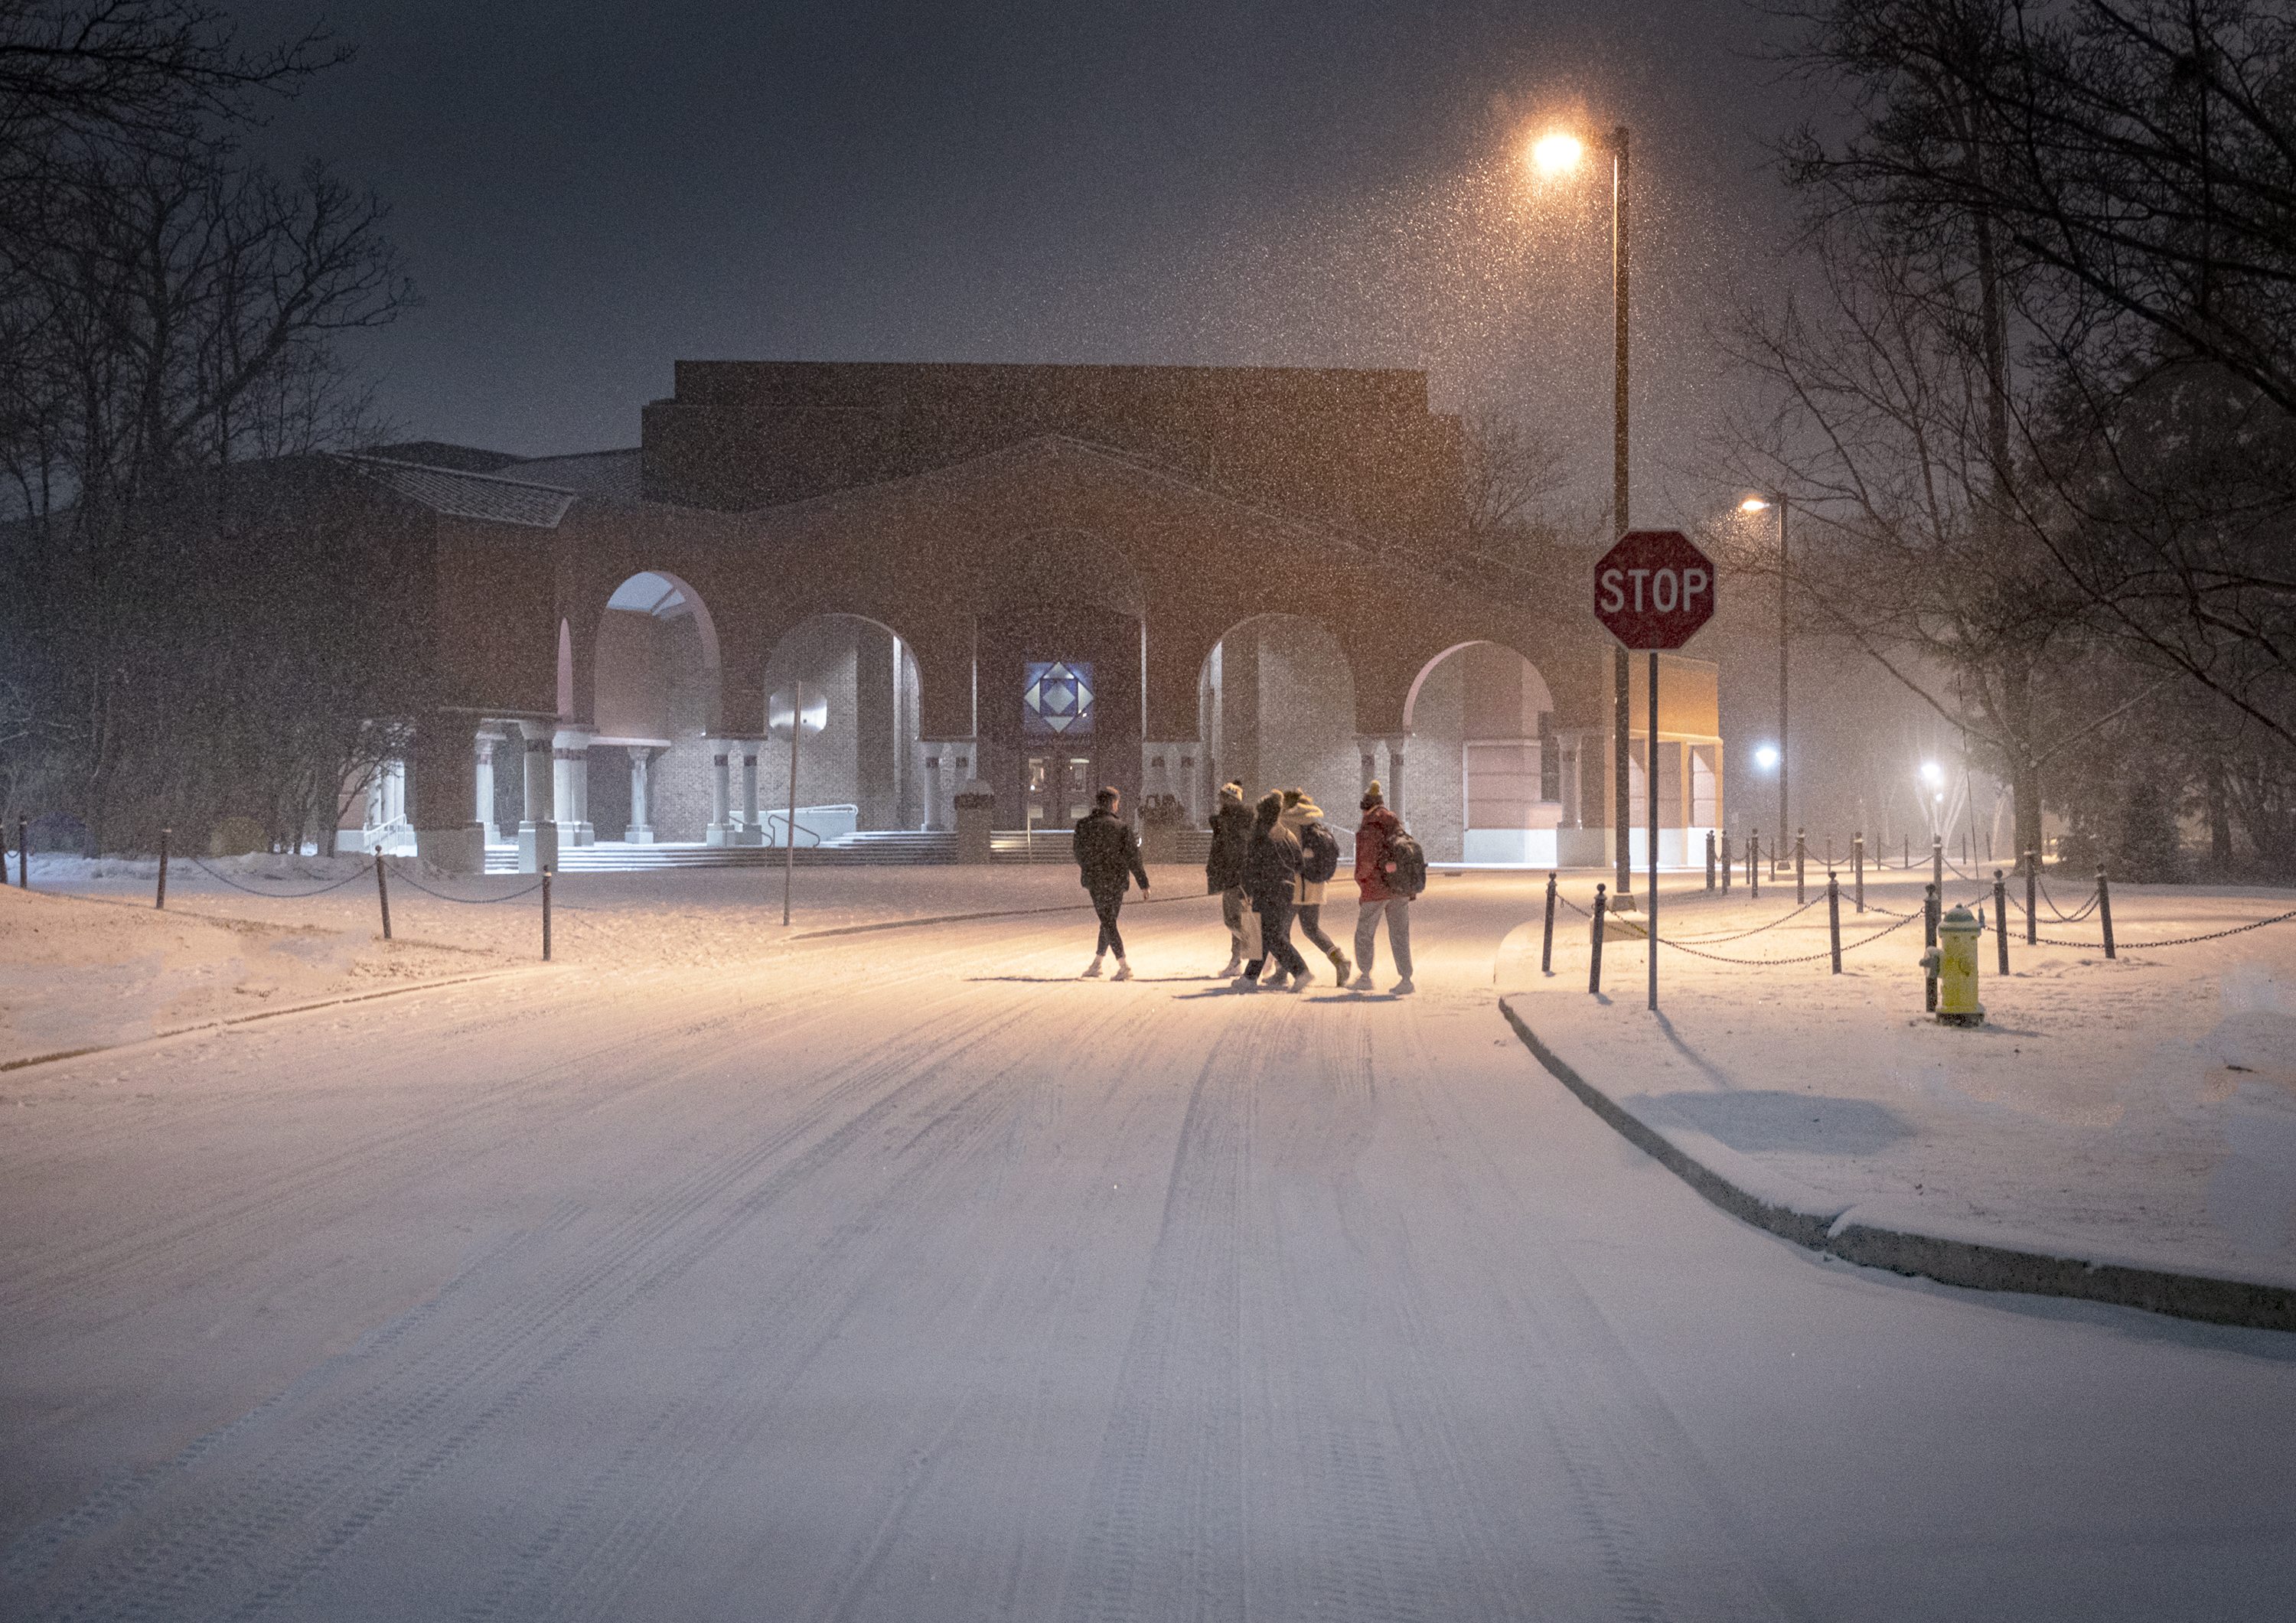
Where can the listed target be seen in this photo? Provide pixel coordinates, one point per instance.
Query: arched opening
(654, 698)
(864, 770)
(1486, 777)
(1276, 703)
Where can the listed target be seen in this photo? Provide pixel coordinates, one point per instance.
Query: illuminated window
(1056, 699)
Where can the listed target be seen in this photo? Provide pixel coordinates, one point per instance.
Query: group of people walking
(1269, 864)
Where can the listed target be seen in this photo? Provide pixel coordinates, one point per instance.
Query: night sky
(586, 194)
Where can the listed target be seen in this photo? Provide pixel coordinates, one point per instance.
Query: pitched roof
(607, 473)
(469, 495)
(438, 453)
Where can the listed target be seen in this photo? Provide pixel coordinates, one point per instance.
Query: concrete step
(871, 847)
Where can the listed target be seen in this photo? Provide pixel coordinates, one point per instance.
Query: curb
(249, 1019)
(1971, 1264)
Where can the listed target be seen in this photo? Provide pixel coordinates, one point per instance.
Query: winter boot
(1340, 967)
(1401, 987)
(1123, 971)
(1095, 969)
(1301, 976)
(1361, 983)
(1234, 967)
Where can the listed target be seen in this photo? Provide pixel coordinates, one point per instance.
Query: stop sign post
(1652, 591)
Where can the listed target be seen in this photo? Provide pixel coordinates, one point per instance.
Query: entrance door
(1059, 789)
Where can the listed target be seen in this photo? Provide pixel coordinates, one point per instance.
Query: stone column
(721, 830)
(1368, 748)
(441, 794)
(538, 828)
(641, 829)
(752, 831)
(1395, 744)
(570, 773)
(488, 738)
(933, 823)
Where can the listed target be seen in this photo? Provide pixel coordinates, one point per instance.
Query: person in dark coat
(1372, 868)
(1271, 874)
(1231, 827)
(1108, 860)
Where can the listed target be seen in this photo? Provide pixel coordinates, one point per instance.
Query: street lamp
(1555, 154)
(1754, 503)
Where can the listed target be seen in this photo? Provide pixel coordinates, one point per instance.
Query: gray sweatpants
(1398, 933)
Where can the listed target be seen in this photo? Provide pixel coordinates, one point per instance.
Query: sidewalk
(2122, 1129)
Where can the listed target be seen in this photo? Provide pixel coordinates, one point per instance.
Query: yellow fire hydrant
(1954, 962)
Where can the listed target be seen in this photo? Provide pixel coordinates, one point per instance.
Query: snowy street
(902, 1274)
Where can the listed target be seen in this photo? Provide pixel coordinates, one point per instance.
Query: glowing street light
(1766, 757)
(1556, 153)
(1754, 503)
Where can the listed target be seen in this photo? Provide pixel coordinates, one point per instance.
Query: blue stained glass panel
(1056, 699)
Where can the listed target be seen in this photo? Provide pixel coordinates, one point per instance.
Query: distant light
(1938, 798)
(1752, 503)
(1933, 773)
(1555, 153)
(1767, 756)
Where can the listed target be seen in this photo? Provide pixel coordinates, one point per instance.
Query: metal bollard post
(545, 914)
(1833, 917)
(1928, 945)
(1710, 859)
(1754, 865)
(1547, 944)
(2104, 909)
(1726, 864)
(1595, 968)
(1801, 855)
(162, 901)
(2001, 918)
(1937, 862)
(1857, 855)
(2032, 901)
(23, 854)
(382, 894)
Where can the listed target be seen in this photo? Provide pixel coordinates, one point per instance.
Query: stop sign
(1654, 589)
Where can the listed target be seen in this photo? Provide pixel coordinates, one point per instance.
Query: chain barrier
(1825, 952)
(276, 896)
(2214, 935)
(403, 877)
(2062, 917)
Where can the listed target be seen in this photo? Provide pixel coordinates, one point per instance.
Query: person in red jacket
(1373, 867)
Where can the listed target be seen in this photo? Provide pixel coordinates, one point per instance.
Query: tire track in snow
(65, 1277)
(519, 1340)
(1166, 1525)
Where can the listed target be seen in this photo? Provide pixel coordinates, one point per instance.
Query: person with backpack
(1108, 860)
(1271, 871)
(1391, 869)
(1231, 827)
(1319, 860)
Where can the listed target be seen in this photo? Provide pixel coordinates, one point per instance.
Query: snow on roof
(471, 495)
(607, 473)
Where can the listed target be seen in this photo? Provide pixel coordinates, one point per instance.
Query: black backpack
(1319, 854)
(1410, 875)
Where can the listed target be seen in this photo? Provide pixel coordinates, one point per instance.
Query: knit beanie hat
(1232, 791)
(1372, 797)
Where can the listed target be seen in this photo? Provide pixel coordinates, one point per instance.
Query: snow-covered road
(903, 1276)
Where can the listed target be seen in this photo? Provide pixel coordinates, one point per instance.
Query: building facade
(1018, 581)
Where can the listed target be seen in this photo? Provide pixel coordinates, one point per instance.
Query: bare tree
(167, 318)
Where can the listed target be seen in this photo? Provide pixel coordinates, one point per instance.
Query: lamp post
(1754, 503)
(1555, 154)
(791, 717)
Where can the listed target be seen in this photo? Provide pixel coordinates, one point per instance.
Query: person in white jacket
(1304, 819)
